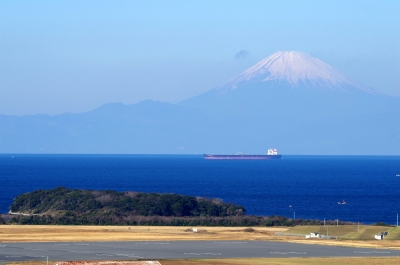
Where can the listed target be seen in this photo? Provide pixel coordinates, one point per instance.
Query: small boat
(342, 202)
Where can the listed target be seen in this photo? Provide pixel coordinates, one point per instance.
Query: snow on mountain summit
(295, 69)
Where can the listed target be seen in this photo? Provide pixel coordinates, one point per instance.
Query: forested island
(65, 206)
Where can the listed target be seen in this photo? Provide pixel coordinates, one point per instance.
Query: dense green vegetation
(80, 202)
(242, 220)
(86, 207)
(65, 206)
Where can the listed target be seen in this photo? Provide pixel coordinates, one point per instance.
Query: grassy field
(262, 261)
(289, 261)
(348, 236)
(353, 232)
(50, 233)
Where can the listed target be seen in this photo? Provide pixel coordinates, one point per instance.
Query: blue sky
(73, 56)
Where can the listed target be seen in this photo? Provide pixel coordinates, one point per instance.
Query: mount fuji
(296, 70)
(289, 100)
(303, 105)
(283, 82)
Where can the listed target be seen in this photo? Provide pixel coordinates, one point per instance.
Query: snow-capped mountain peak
(294, 69)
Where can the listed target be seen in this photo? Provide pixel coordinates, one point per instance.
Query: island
(64, 206)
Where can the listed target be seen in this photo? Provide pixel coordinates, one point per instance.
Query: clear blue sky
(73, 56)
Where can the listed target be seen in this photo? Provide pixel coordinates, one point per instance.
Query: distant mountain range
(289, 100)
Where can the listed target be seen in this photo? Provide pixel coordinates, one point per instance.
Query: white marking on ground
(223, 242)
(199, 254)
(372, 252)
(83, 252)
(286, 253)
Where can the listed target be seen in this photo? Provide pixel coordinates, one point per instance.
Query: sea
(307, 187)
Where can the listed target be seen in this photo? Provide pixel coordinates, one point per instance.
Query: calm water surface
(304, 186)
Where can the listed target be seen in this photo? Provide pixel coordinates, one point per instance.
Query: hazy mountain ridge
(111, 128)
(289, 100)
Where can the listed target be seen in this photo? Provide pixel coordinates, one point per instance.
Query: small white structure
(313, 235)
(381, 236)
(272, 151)
(194, 230)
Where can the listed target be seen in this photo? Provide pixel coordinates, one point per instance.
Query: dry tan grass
(352, 236)
(53, 233)
(290, 261)
(273, 261)
(20, 233)
(350, 243)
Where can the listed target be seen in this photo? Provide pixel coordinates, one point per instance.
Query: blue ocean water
(300, 186)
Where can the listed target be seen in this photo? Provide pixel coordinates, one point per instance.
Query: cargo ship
(271, 154)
